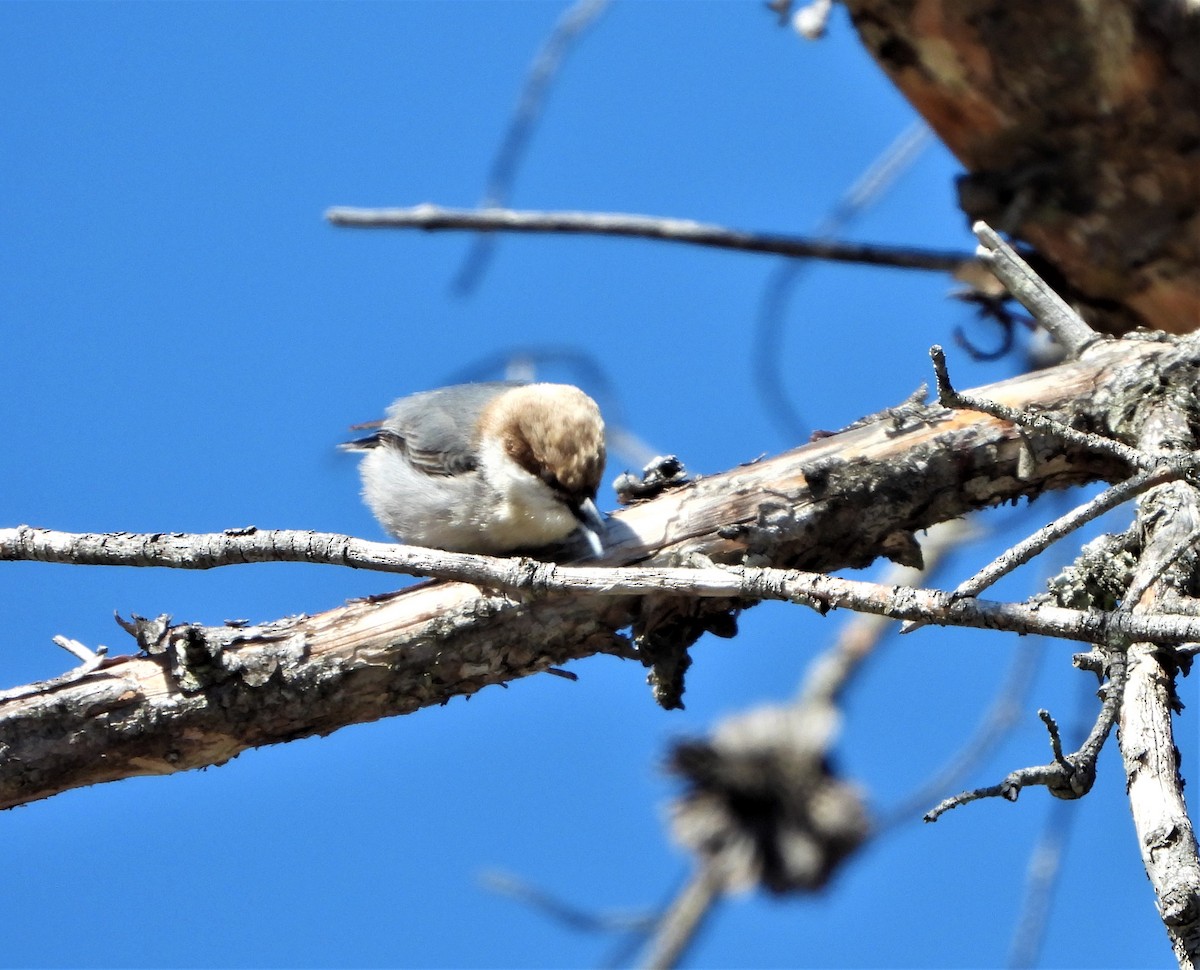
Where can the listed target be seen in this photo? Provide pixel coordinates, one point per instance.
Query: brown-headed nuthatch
(486, 468)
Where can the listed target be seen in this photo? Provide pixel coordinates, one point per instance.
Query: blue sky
(185, 341)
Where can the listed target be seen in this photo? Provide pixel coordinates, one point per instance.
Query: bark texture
(1079, 125)
(1170, 518)
(197, 696)
(1078, 122)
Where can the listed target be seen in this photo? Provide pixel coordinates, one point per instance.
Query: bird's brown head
(554, 432)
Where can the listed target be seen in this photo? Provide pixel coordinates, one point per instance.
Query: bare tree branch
(566, 33)
(1141, 689)
(202, 694)
(433, 217)
(1064, 525)
(1041, 540)
(1169, 515)
(1033, 293)
(817, 590)
(1067, 776)
(951, 398)
(805, 740)
(199, 695)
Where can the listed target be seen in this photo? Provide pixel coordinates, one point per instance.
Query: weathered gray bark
(1079, 125)
(202, 695)
(1170, 518)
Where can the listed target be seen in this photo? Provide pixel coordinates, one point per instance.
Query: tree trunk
(1078, 122)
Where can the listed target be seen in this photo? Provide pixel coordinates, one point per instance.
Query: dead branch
(199, 695)
(1169, 516)
(1067, 776)
(665, 229)
(951, 398)
(997, 80)
(1033, 292)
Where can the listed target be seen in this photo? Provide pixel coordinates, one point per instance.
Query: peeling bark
(200, 695)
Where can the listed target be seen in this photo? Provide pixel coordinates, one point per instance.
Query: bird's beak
(591, 524)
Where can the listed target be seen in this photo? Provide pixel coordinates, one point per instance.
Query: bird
(490, 468)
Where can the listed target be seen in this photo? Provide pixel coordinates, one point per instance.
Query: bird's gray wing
(437, 429)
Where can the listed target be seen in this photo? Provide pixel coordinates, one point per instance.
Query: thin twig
(1068, 776)
(1039, 541)
(542, 73)
(565, 913)
(821, 592)
(89, 657)
(1033, 293)
(951, 398)
(1045, 862)
(433, 217)
(1001, 716)
(1055, 738)
(681, 923)
(1046, 536)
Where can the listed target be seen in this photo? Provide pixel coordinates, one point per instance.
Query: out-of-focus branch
(829, 675)
(778, 761)
(561, 911)
(999, 719)
(682, 921)
(542, 74)
(766, 358)
(433, 217)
